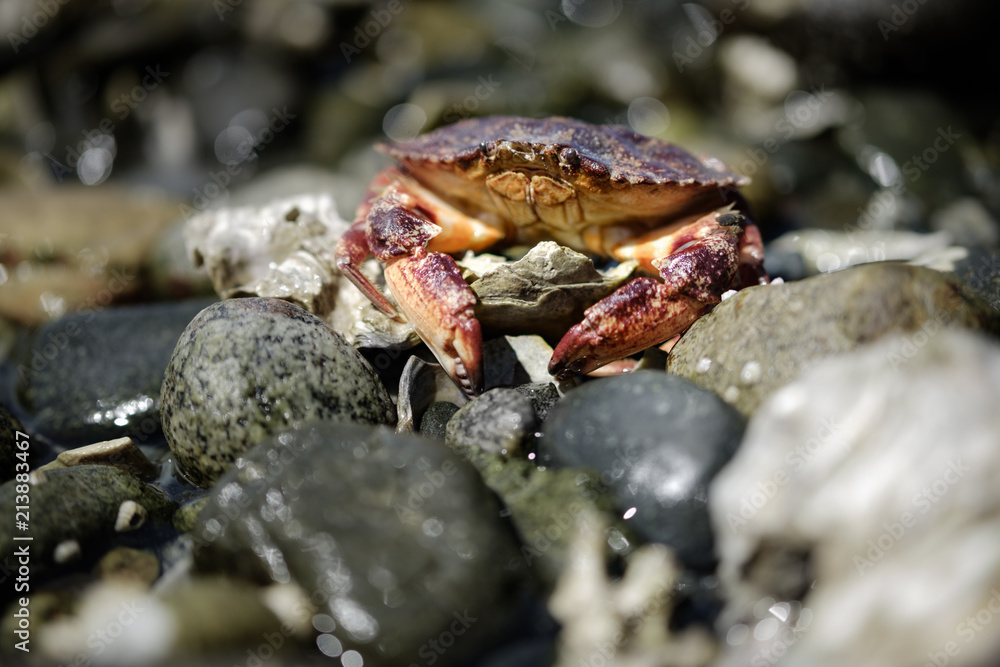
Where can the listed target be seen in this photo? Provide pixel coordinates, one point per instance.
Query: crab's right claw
(440, 305)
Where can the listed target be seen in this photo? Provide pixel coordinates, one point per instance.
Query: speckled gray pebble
(543, 396)
(247, 368)
(656, 441)
(392, 535)
(760, 339)
(495, 422)
(435, 419)
(81, 504)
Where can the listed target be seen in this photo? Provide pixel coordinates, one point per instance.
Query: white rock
(882, 466)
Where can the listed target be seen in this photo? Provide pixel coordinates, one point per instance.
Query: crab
(598, 189)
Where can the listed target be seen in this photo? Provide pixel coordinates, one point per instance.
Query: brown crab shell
(618, 174)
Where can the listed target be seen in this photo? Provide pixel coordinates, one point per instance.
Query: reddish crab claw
(602, 190)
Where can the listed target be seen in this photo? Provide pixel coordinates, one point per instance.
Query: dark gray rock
(247, 368)
(96, 375)
(761, 338)
(78, 504)
(394, 536)
(495, 422)
(435, 419)
(980, 269)
(543, 396)
(656, 441)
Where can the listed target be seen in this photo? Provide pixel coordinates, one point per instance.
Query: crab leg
(395, 225)
(700, 263)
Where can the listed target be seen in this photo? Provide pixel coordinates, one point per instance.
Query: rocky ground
(224, 454)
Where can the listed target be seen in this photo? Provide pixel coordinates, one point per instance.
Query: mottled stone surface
(656, 441)
(761, 338)
(864, 500)
(434, 422)
(247, 368)
(496, 422)
(96, 375)
(393, 536)
(544, 293)
(78, 504)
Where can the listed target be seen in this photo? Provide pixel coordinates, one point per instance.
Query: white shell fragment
(283, 249)
(131, 516)
(66, 551)
(864, 499)
(121, 453)
(824, 251)
(623, 622)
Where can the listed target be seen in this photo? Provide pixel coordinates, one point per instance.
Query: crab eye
(488, 148)
(569, 158)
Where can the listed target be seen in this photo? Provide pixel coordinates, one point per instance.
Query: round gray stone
(656, 441)
(393, 536)
(495, 422)
(246, 368)
(760, 339)
(435, 419)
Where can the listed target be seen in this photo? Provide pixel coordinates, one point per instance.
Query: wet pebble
(78, 505)
(761, 338)
(656, 441)
(96, 375)
(247, 368)
(435, 419)
(127, 564)
(495, 422)
(394, 537)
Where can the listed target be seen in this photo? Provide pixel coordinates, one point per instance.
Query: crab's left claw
(438, 303)
(646, 312)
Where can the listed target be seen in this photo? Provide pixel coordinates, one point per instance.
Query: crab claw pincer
(438, 303)
(646, 312)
